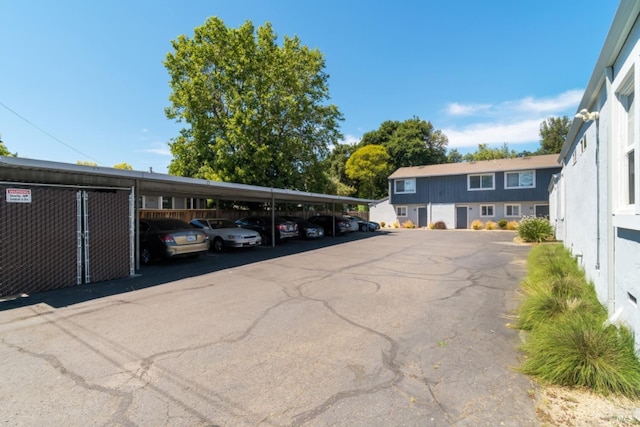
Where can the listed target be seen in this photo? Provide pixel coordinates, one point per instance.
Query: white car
(225, 233)
(353, 223)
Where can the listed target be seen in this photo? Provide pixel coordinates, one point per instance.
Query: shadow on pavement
(172, 270)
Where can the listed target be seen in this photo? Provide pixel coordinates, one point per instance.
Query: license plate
(191, 238)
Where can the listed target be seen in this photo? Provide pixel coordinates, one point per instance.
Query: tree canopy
(413, 142)
(255, 111)
(123, 165)
(369, 167)
(3, 150)
(485, 152)
(553, 132)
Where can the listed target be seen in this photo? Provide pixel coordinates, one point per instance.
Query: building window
(401, 210)
(627, 146)
(511, 210)
(167, 202)
(487, 210)
(523, 179)
(480, 182)
(583, 144)
(405, 186)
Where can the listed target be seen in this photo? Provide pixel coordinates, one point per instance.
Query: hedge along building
(458, 193)
(594, 200)
(64, 224)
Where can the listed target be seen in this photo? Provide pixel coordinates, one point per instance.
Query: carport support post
(136, 246)
(273, 220)
(333, 214)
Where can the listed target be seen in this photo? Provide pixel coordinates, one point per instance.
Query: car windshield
(222, 223)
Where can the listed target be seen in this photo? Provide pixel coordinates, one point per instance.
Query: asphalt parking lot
(393, 328)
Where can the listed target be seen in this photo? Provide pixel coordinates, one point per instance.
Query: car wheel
(218, 245)
(145, 255)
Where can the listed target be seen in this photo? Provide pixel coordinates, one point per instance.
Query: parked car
(363, 224)
(328, 222)
(262, 224)
(162, 238)
(225, 233)
(306, 229)
(352, 223)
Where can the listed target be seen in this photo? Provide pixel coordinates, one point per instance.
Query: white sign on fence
(18, 195)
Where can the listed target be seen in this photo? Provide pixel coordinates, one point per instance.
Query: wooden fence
(232, 214)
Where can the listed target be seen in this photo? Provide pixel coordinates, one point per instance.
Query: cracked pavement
(401, 327)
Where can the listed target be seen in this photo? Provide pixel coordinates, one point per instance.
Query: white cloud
(158, 148)
(512, 122)
(559, 104)
(521, 132)
(456, 109)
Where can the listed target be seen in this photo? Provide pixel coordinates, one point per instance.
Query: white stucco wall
(585, 203)
(382, 211)
(443, 212)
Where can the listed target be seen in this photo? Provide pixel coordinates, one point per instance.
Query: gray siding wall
(453, 189)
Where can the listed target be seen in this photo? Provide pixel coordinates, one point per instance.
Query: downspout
(429, 216)
(598, 232)
(611, 278)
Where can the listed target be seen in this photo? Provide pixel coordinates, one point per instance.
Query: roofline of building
(622, 24)
(489, 163)
(201, 185)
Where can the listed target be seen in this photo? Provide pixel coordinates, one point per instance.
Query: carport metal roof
(19, 169)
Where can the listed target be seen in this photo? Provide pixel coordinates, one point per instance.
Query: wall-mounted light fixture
(586, 115)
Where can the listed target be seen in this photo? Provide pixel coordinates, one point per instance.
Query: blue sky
(84, 80)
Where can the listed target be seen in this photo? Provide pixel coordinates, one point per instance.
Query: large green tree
(553, 132)
(334, 167)
(369, 166)
(413, 142)
(255, 112)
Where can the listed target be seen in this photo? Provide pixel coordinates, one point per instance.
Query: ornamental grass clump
(476, 224)
(534, 229)
(512, 225)
(490, 225)
(570, 342)
(547, 302)
(580, 351)
(408, 224)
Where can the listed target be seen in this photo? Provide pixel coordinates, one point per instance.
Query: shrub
(476, 224)
(581, 351)
(502, 224)
(533, 229)
(431, 226)
(408, 224)
(570, 343)
(382, 224)
(550, 301)
(512, 225)
(490, 225)
(440, 225)
(396, 224)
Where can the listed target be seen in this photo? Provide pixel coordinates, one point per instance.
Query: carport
(62, 224)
